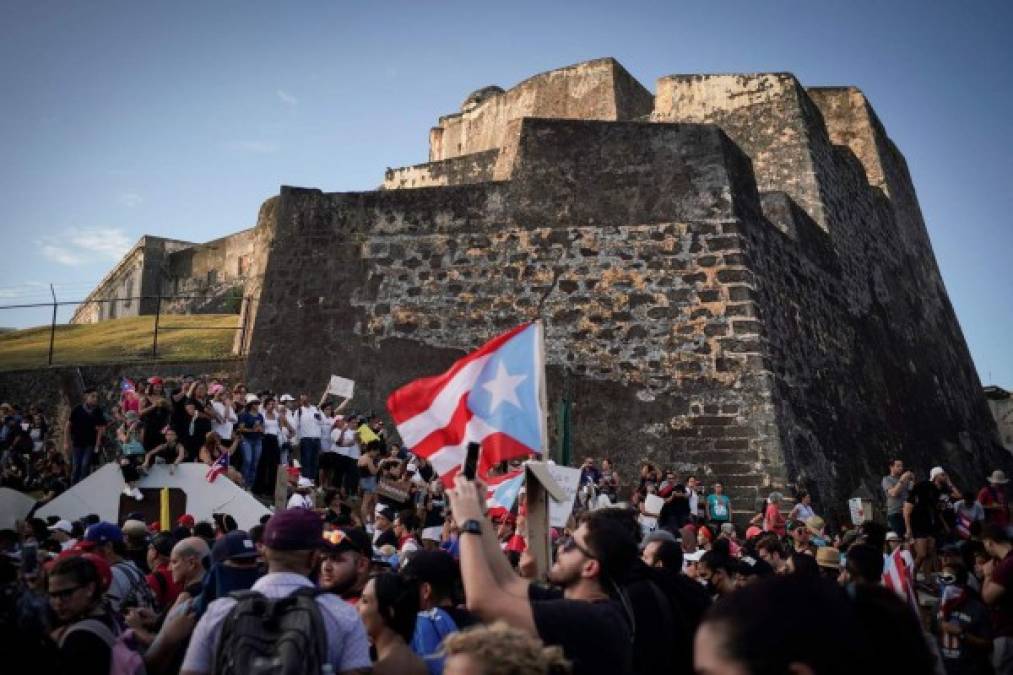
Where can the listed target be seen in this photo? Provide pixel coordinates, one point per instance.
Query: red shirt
(773, 521)
(991, 495)
(165, 589)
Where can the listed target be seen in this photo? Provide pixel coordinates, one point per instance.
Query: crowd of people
(376, 564)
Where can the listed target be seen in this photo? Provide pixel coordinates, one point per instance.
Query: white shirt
(694, 501)
(325, 433)
(228, 415)
(272, 426)
(298, 501)
(306, 425)
(347, 645)
(346, 435)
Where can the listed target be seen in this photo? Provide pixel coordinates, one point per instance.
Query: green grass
(120, 340)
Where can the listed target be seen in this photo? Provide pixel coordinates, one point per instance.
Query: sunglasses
(946, 578)
(567, 544)
(65, 593)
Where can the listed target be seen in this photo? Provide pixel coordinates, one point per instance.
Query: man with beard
(580, 616)
(344, 568)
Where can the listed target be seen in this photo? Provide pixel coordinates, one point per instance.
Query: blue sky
(179, 119)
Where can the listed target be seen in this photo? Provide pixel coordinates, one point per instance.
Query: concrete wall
(212, 274)
(216, 271)
(1000, 403)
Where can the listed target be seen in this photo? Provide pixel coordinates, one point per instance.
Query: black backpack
(280, 636)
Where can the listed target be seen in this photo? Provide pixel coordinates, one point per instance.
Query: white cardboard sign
(858, 515)
(569, 479)
(340, 386)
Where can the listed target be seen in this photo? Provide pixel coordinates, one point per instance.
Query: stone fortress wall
(734, 277)
(210, 277)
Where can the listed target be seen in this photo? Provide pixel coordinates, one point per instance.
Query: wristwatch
(471, 526)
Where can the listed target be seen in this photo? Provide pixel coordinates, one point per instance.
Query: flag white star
(503, 387)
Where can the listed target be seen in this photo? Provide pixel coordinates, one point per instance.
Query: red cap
(186, 520)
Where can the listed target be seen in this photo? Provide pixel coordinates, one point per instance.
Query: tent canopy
(100, 493)
(14, 506)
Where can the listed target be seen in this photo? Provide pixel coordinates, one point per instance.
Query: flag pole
(543, 385)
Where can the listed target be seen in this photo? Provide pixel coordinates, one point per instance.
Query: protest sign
(568, 479)
(859, 510)
(340, 386)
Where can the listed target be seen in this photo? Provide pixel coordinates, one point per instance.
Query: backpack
(139, 594)
(281, 636)
(430, 629)
(123, 660)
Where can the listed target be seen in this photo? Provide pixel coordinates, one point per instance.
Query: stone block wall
(473, 168)
(593, 90)
(635, 265)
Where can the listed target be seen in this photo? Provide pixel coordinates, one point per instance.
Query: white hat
(432, 533)
(251, 398)
(998, 477)
(285, 398)
(62, 526)
(694, 557)
(936, 471)
(892, 536)
(304, 482)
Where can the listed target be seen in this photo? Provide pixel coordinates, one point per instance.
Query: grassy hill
(119, 340)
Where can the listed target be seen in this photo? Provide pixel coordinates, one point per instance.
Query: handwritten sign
(569, 479)
(340, 386)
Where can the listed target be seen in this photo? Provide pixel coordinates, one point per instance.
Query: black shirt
(924, 498)
(193, 441)
(83, 651)
(595, 636)
(84, 424)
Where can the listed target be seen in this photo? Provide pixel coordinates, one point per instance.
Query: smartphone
(470, 466)
(29, 560)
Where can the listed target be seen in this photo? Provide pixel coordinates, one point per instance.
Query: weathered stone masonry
(735, 278)
(751, 296)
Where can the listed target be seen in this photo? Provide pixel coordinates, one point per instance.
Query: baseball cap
(293, 530)
(236, 545)
(694, 556)
(936, 470)
(348, 539)
(892, 536)
(252, 398)
(304, 482)
(186, 520)
(163, 543)
(750, 566)
(658, 535)
(285, 398)
(135, 528)
(382, 511)
(62, 525)
(434, 533)
(103, 533)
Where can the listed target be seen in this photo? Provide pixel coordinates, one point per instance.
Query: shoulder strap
(93, 626)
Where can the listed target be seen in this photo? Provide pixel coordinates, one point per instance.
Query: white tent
(14, 506)
(99, 493)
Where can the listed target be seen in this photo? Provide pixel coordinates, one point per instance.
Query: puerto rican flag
(501, 492)
(493, 396)
(898, 578)
(220, 466)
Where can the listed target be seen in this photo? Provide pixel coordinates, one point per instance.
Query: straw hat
(827, 556)
(998, 477)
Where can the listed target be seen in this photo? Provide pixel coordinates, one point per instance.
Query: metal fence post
(158, 314)
(242, 330)
(52, 326)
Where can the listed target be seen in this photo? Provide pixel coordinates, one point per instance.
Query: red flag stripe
(415, 397)
(452, 434)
